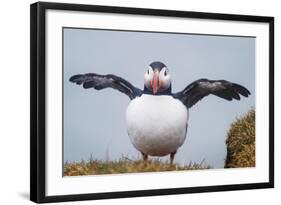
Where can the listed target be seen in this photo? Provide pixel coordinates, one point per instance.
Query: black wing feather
(199, 89)
(98, 82)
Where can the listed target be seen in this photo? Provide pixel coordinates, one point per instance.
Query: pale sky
(94, 121)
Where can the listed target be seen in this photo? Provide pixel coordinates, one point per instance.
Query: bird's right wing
(98, 82)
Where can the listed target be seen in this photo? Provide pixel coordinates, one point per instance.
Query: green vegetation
(125, 165)
(241, 142)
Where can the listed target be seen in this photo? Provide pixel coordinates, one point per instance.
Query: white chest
(156, 124)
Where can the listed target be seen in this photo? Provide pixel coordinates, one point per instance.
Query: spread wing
(98, 82)
(199, 89)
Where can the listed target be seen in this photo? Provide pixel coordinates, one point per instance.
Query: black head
(157, 79)
(157, 65)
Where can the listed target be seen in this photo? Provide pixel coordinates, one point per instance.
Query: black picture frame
(38, 100)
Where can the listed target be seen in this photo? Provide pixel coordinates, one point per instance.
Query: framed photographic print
(129, 102)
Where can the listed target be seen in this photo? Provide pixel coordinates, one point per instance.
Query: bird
(157, 118)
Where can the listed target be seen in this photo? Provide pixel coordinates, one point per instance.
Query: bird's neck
(168, 91)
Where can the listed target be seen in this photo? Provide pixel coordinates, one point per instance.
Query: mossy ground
(241, 142)
(125, 165)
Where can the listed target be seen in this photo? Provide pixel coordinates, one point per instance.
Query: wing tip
(76, 79)
(242, 90)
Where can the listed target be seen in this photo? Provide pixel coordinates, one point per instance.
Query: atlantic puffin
(156, 118)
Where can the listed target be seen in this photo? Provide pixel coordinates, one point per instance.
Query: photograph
(143, 101)
(133, 102)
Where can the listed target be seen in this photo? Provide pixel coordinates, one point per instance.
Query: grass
(125, 165)
(241, 142)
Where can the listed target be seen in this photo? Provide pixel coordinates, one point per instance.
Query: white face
(157, 81)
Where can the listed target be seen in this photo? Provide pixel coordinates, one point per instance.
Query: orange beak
(155, 82)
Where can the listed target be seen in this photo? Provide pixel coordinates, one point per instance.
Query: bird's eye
(165, 73)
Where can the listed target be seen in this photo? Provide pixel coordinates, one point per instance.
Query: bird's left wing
(199, 89)
(98, 82)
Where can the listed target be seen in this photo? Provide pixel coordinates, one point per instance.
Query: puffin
(157, 118)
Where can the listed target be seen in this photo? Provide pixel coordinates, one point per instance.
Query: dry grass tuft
(241, 142)
(125, 165)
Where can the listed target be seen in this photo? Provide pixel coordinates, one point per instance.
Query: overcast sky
(94, 121)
